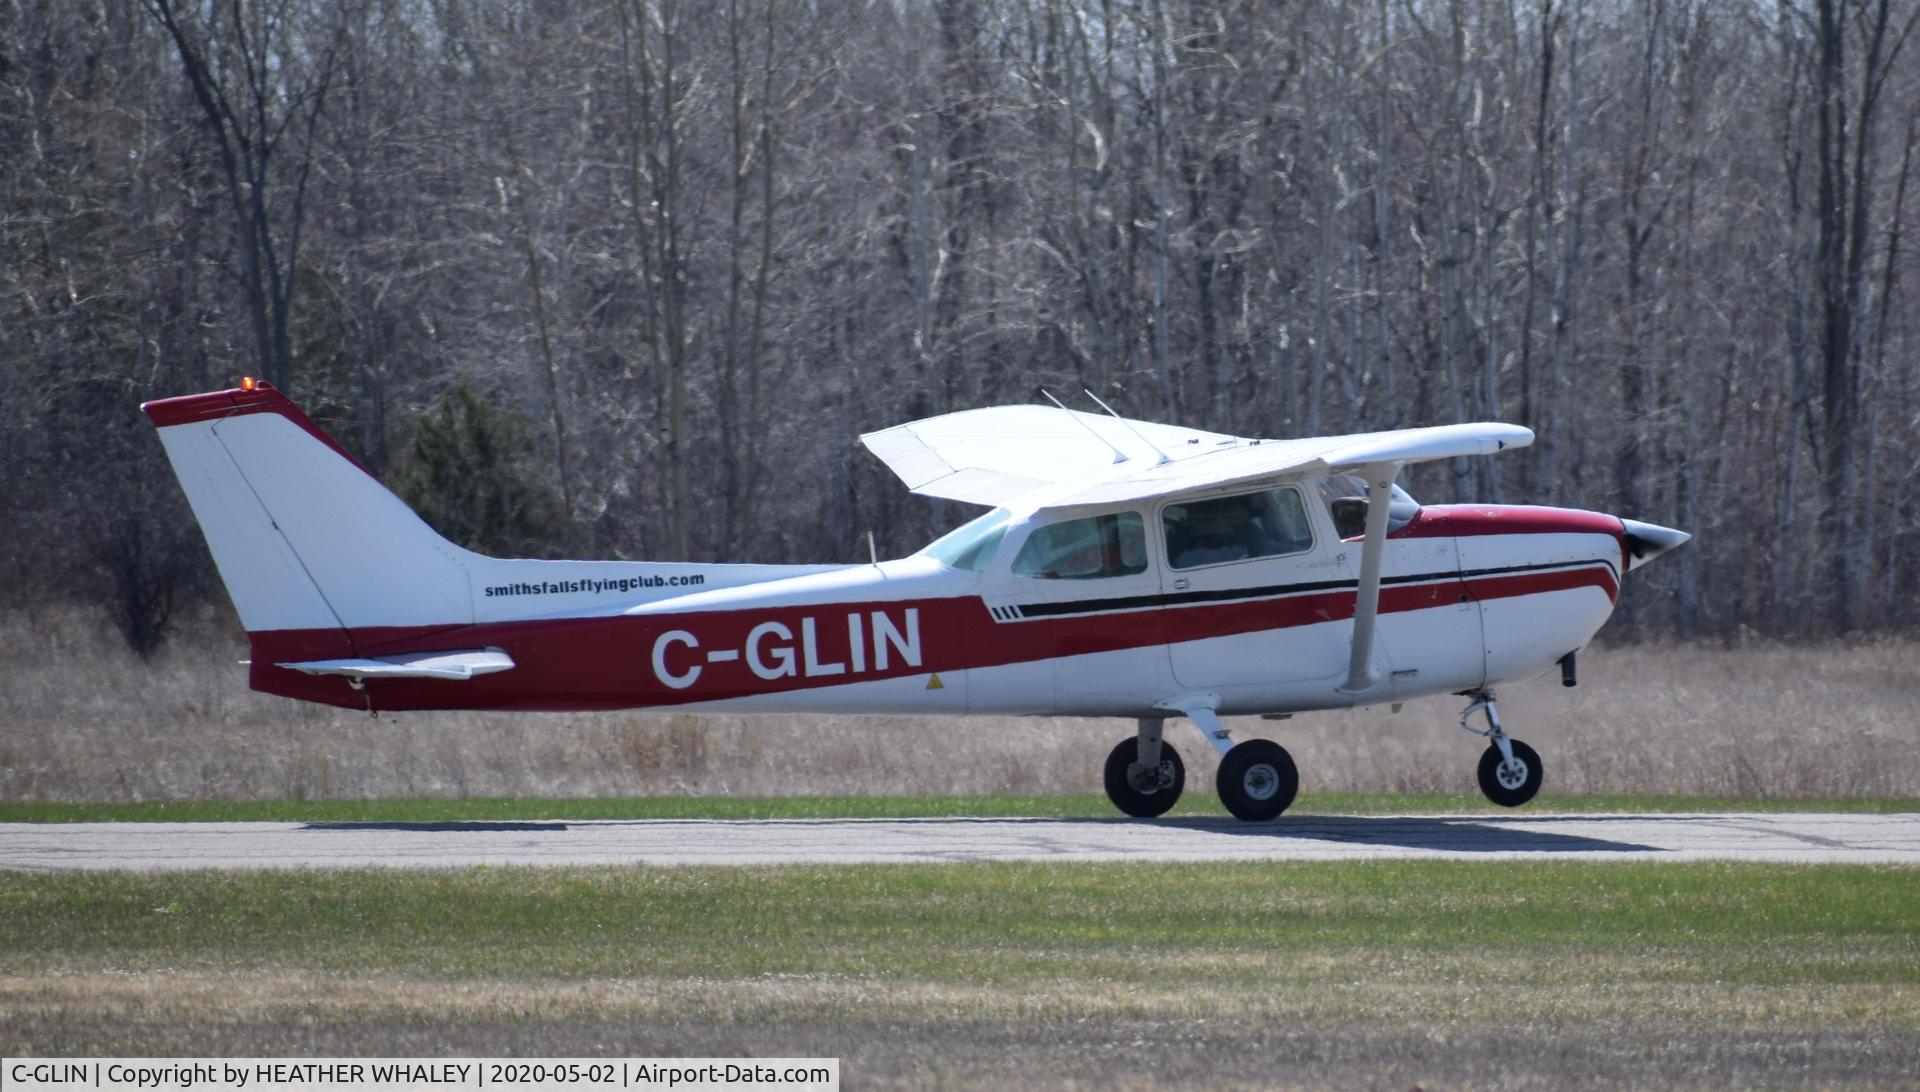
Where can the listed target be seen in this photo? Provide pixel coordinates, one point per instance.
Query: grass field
(1377, 974)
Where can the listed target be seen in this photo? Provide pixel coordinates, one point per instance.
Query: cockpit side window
(1207, 532)
(1083, 549)
(971, 546)
(1346, 497)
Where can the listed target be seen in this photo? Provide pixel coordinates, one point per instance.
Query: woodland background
(624, 278)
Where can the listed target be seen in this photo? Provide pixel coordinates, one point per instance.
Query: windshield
(971, 545)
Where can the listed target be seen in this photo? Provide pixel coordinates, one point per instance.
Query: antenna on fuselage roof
(1164, 457)
(1119, 456)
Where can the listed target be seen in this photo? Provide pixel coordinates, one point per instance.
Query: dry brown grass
(83, 719)
(922, 1036)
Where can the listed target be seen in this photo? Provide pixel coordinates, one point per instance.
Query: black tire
(1153, 801)
(1257, 780)
(1511, 792)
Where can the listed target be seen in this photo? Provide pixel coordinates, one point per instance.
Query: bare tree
(260, 72)
(695, 246)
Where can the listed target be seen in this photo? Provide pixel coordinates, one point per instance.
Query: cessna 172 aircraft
(1126, 569)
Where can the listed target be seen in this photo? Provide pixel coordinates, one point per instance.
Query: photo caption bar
(439, 1074)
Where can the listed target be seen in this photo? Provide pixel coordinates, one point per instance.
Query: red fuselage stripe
(610, 663)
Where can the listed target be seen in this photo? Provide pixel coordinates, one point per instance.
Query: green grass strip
(875, 807)
(1241, 925)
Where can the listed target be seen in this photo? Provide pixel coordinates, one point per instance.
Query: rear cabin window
(1220, 529)
(1085, 549)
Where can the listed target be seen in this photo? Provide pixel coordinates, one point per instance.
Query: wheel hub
(1512, 774)
(1150, 779)
(1261, 781)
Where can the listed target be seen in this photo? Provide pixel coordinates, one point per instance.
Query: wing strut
(1366, 604)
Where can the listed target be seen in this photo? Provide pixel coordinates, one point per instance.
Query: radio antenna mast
(1119, 456)
(1164, 457)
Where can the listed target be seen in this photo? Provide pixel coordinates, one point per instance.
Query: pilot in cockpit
(1215, 531)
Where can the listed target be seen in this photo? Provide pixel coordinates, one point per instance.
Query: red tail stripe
(218, 405)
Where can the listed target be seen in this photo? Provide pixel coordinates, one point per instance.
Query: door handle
(1179, 583)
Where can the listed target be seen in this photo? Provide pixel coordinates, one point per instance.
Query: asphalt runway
(1786, 838)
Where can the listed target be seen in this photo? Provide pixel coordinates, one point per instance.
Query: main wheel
(1161, 790)
(1511, 784)
(1257, 780)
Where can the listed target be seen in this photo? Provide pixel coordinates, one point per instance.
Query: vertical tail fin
(304, 536)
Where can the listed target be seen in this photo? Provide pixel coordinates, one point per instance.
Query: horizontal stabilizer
(459, 666)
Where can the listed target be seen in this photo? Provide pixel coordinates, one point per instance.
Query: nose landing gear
(1510, 772)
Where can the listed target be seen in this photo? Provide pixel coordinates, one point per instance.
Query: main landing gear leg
(1144, 776)
(1257, 779)
(1147, 744)
(1510, 772)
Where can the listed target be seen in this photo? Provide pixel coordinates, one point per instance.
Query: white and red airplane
(1126, 569)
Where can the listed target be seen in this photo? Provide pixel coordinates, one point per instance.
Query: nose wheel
(1510, 782)
(1510, 772)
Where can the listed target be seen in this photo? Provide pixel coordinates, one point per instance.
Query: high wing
(1063, 459)
(1259, 460)
(1000, 454)
(994, 455)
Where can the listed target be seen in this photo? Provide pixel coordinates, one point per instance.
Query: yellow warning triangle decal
(934, 683)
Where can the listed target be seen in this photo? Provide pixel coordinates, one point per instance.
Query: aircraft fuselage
(1471, 596)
